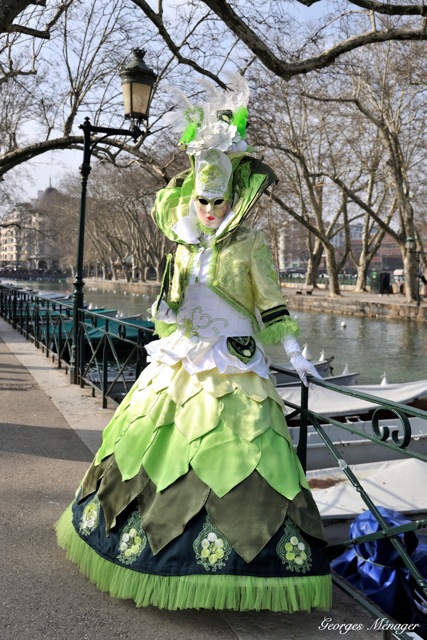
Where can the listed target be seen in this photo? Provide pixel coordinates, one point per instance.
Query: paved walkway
(48, 432)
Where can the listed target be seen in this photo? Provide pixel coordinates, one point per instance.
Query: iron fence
(111, 355)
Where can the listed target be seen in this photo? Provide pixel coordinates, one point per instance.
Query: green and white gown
(196, 498)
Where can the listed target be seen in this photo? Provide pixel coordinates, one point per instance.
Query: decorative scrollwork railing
(383, 432)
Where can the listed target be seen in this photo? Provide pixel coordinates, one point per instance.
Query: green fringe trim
(239, 593)
(164, 329)
(275, 332)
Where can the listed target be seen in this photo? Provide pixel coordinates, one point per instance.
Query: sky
(47, 170)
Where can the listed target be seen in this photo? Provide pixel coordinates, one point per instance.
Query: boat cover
(332, 403)
(393, 484)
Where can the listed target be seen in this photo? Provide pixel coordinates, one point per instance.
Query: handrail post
(105, 368)
(302, 441)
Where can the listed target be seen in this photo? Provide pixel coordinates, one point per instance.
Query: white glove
(164, 313)
(302, 366)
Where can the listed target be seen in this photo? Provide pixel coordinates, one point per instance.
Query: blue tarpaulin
(376, 569)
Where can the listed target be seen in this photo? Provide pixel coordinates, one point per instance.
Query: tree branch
(35, 33)
(287, 70)
(391, 9)
(17, 156)
(156, 19)
(10, 9)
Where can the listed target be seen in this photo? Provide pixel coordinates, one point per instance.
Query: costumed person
(196, 497)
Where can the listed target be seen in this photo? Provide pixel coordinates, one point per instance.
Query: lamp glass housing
(136, 99)
(137, 87)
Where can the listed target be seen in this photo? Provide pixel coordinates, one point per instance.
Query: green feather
(189, 133)
(240, 120)
(163, 329)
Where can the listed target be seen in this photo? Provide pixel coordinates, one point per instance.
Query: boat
(118, 384)
(355, 414)
(354, 448)
(340, 403)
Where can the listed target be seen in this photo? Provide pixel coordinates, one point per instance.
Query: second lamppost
(137, 86)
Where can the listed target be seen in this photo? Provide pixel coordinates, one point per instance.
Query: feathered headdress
(218, 123)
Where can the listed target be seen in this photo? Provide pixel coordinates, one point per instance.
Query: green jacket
(241, 271)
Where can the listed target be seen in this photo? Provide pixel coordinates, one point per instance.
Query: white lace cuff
(291, 346)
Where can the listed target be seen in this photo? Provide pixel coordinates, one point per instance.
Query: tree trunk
(411, 279)
(331, 266)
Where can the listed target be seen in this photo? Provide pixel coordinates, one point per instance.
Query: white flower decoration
(218, 135)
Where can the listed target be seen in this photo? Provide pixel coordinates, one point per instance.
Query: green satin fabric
(223, 427)
(224, 445)
(164, 515)
(241, 272)
(248, 515)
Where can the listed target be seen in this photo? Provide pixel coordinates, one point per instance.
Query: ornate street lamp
(137, 86)
(411, 248)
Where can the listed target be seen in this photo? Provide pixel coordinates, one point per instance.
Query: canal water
(366, 345)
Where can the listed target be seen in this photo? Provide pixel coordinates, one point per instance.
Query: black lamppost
(411, 247)
(137, 87)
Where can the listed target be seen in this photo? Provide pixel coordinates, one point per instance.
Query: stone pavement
(48, 432)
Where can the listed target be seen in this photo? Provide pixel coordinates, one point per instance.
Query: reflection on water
(367, 345)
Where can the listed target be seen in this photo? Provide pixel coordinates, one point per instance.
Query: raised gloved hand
(302, 366)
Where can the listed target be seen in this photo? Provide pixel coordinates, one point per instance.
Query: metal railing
(397, 438)
(111, 356)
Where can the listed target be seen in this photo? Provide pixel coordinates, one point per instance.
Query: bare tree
(119, 228)
(71, 74)
(299, 137)
(387, 93)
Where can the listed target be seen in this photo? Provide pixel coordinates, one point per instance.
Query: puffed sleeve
(268, 295)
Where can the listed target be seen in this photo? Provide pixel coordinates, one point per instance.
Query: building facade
(26, 239)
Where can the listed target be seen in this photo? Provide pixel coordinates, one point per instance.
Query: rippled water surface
(366, 345)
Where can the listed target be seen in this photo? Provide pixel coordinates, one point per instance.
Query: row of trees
(120, 235)
(338, 110)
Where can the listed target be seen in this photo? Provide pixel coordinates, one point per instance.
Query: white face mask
(211, 211)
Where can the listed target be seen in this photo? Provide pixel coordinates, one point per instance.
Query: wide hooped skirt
(196, 499)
